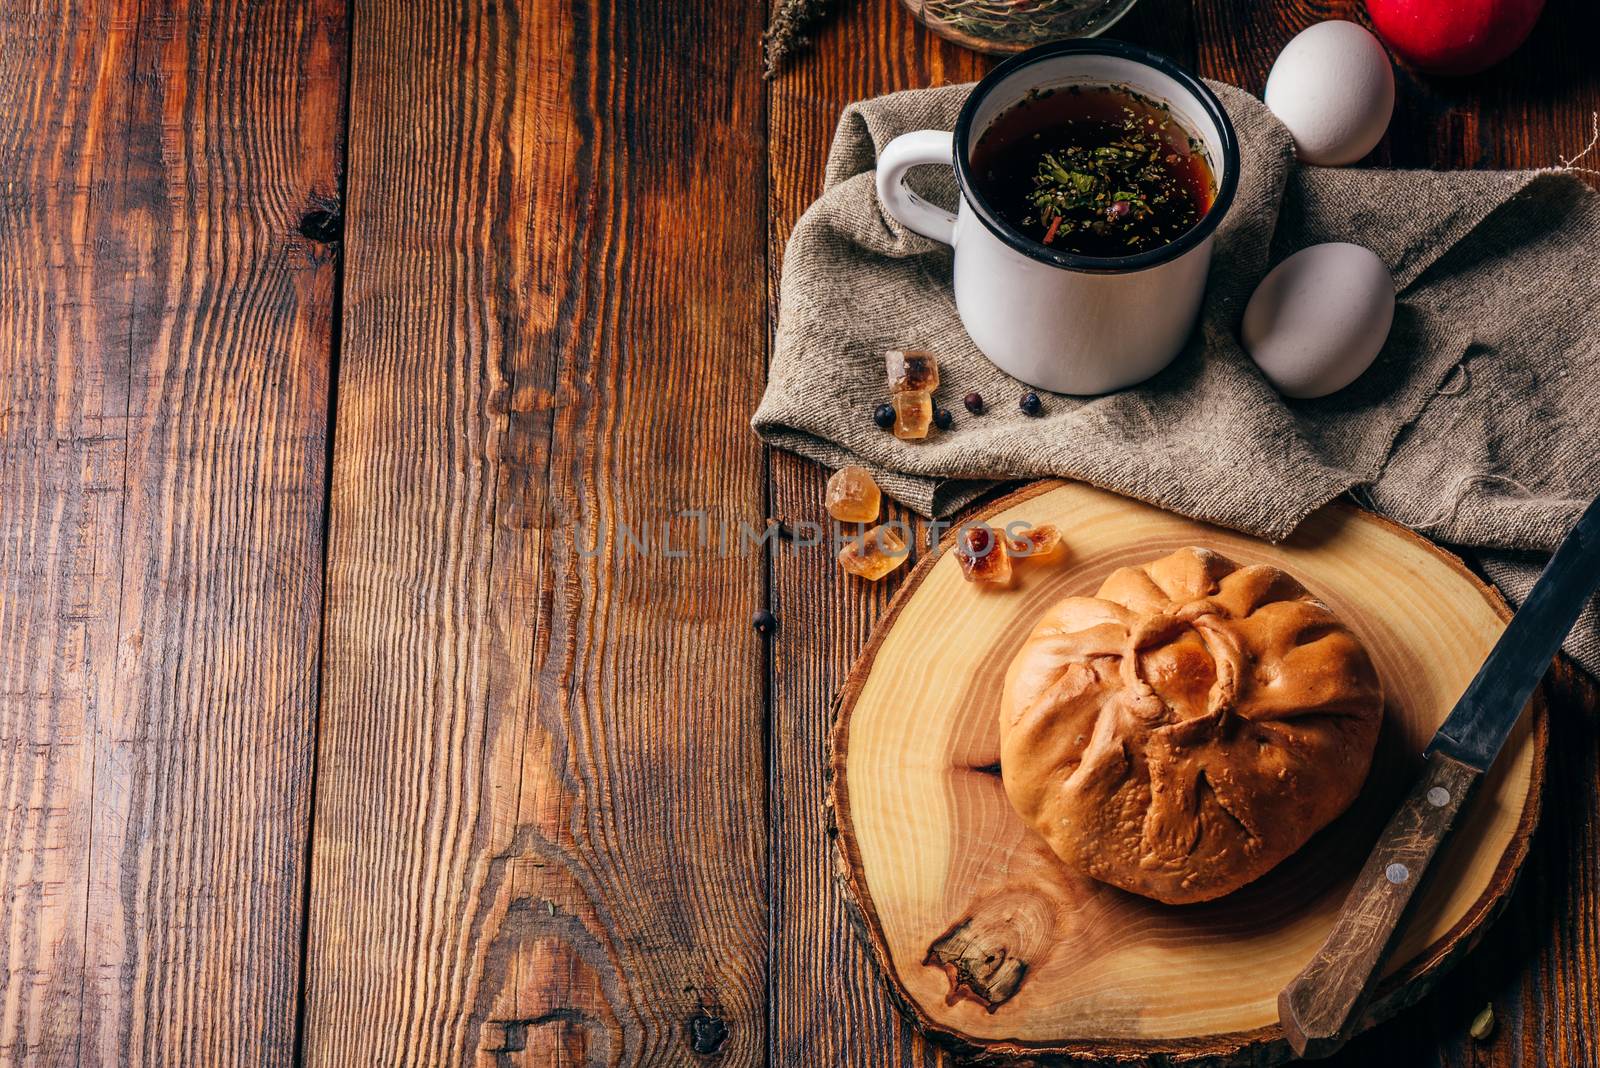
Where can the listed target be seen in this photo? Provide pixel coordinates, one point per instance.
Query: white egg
(1333, 87)
(1318, 319)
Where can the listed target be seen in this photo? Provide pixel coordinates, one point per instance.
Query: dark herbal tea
(1093, 170)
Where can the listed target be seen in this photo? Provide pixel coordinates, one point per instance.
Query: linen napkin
(1478, 425)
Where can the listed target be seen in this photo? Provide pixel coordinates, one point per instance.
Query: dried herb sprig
(788, 32)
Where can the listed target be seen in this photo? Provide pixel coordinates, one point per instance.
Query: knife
(1320, 1006)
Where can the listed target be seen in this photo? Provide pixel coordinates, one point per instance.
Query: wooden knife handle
(1320, 1006)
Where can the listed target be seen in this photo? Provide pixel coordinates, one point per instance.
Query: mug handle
(904, 206)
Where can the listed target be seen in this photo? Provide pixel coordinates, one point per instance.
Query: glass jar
(1000, 27)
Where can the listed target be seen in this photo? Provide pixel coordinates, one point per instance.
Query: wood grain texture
(165, 335)
(997, 949)
(827, 1002)
(1540, 963)
(540, 831)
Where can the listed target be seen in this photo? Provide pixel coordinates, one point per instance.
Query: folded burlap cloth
(1479, 424)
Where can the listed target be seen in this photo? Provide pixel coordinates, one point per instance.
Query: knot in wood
(322, 226)
(706, 1033)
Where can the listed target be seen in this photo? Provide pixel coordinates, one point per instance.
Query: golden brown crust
(1188, 727)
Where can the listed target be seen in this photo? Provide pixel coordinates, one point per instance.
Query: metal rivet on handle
(1397, 873)
(1438, 797)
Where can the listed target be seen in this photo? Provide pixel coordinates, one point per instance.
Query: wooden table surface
(329, 338)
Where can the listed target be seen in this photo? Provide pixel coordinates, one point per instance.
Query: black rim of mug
(1070, 260)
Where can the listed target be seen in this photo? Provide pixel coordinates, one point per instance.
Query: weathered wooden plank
(63, 405)
(1545, 994)
(828, 1003)
(165, 336)
(540, 831)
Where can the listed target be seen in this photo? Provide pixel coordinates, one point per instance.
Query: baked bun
(1188, 727)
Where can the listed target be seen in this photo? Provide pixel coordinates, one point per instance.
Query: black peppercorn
(1030, 404)
(883, 415)
(764, 622)
(974, 403)
(943, 419)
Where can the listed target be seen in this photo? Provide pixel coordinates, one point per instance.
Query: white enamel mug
(1055, 319)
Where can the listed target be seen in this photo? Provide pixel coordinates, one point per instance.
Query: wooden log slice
(995, 948)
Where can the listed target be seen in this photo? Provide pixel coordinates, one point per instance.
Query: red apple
(1454, 36)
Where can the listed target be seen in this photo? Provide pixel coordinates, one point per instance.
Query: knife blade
(1482, 719)
(1321, 1006)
